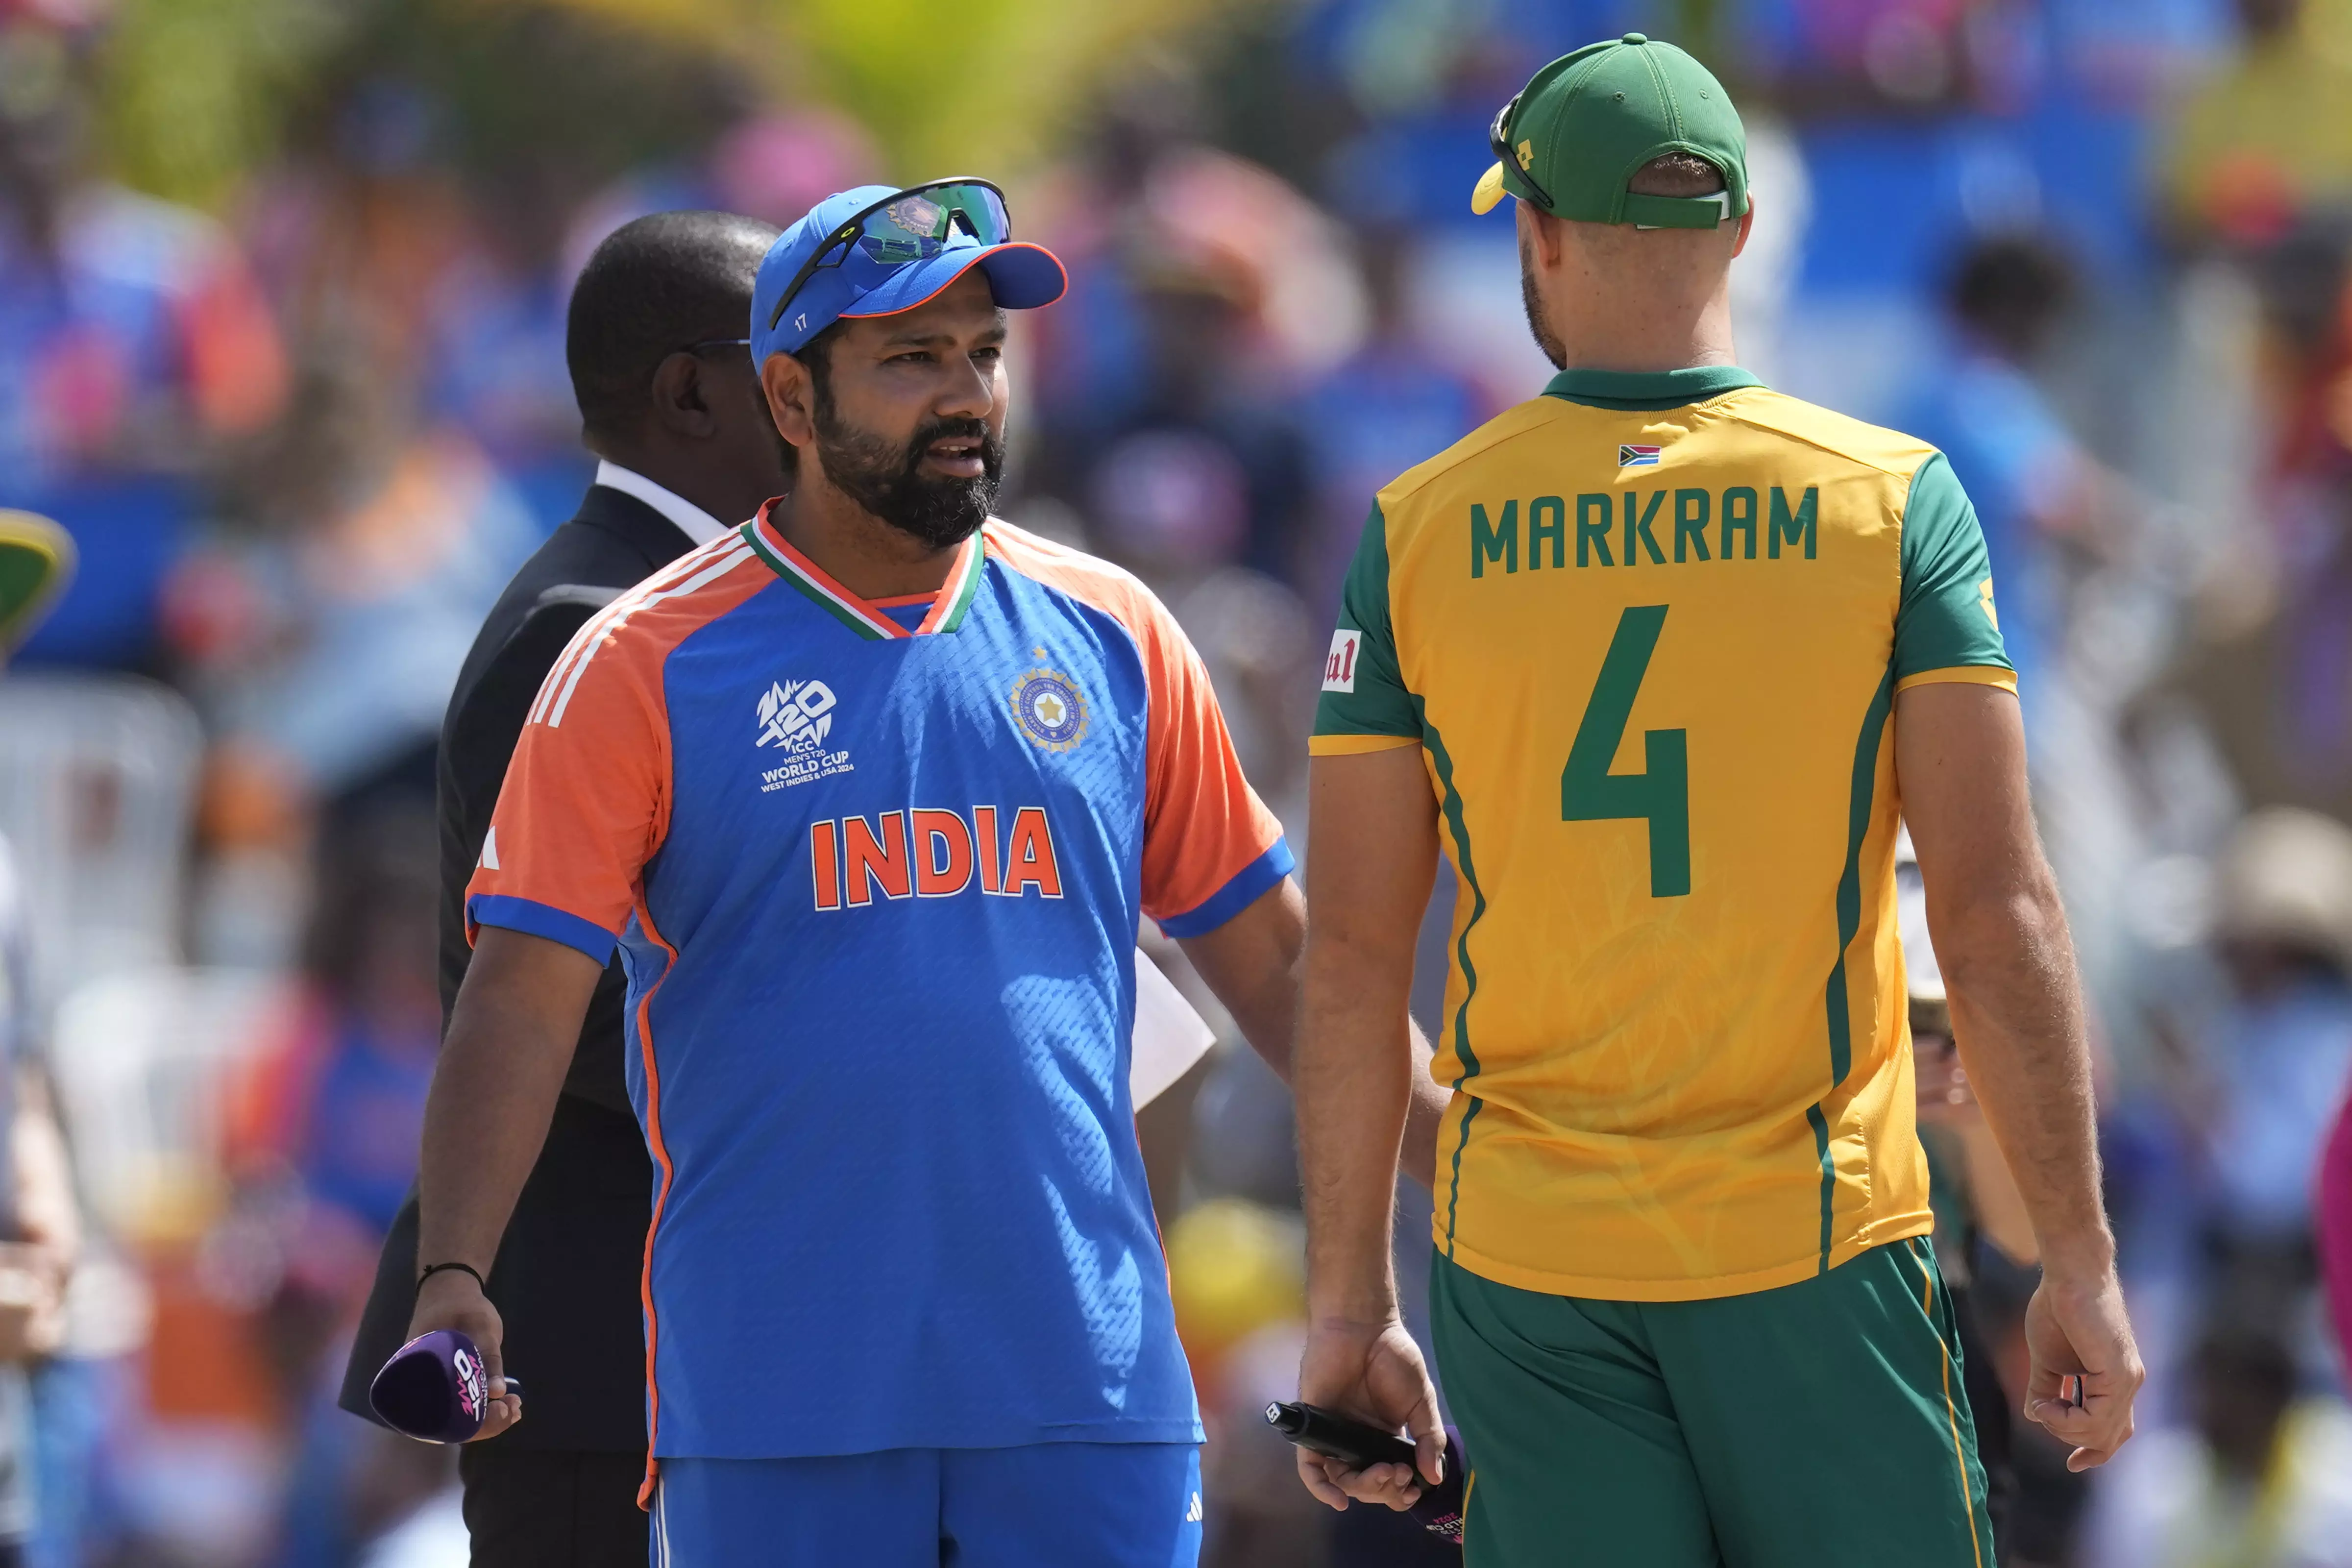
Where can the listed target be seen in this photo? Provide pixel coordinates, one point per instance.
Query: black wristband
(463, 1268)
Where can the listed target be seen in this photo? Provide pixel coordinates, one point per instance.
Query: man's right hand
(1372, 1371)
(2078, 1331)
(453, 1300)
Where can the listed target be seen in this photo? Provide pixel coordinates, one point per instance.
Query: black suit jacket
(566, 1279)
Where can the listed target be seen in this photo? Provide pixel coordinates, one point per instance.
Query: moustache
(992, 446)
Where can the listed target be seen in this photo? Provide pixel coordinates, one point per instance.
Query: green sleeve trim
(1836, 1008)
(1363, 693)
(1450, 806)
(1946, 617)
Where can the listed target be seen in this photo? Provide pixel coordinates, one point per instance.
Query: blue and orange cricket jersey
(875, 871)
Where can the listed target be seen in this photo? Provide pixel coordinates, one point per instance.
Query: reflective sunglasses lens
(913, 226)
(923, 223)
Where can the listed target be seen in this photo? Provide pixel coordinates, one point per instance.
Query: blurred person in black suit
(669, 405)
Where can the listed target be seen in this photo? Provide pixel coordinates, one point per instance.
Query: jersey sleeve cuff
(1351, 745)
(1963, 675)
(1244, 889)
(534, 918)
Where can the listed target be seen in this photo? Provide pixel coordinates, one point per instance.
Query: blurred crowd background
(281, 297)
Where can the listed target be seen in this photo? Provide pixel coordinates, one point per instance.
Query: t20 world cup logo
(473, 1388)
(796, 715)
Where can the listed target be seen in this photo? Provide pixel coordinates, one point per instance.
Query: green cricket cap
(1582, 126)
(36, 558)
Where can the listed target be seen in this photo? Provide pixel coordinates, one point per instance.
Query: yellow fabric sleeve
(1352, 745)
(1962, 675)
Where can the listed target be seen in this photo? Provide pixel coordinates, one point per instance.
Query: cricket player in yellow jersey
(1660, 658)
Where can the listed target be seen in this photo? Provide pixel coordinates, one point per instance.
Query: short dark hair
(653, 287)
(1676, 175)
(816, 355)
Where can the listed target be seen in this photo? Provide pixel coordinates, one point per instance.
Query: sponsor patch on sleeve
(1339, 669)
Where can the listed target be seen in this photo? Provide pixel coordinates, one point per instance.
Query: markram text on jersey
(1628, 528)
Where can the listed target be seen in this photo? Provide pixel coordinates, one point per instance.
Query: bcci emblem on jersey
(796, 715)
(1049, 709)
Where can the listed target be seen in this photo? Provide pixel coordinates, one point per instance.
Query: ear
(1544, 231)
(681, 402)
(1746, 224)
(791, 398)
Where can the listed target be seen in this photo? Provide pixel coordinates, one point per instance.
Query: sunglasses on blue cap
(912, 225)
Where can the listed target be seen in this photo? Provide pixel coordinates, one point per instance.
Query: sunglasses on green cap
(1584, 125)
(1498, 139)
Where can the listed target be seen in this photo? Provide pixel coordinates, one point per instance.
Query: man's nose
(970, 393)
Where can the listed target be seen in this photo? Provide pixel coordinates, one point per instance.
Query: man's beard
(1553, 349)
(888, 480)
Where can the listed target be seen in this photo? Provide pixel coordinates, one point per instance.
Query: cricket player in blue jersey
(871, 793)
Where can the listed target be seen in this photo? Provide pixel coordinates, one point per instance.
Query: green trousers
(1820, 1425)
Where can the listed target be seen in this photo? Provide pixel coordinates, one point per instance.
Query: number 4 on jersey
(1589, 792)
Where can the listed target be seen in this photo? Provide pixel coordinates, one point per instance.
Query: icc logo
(796, 715)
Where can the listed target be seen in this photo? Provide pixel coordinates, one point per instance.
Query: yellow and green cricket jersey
(1648, 629)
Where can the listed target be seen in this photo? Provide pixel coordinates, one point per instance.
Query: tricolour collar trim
(961, 587)
(946, 611)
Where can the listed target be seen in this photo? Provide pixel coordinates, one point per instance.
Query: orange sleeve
(586, 799)
(1210, 846)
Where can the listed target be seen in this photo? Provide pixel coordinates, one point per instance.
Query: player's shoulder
(1092, 581)
(692, 591)
(1833, 434)
(1494, 441)
(634, 636)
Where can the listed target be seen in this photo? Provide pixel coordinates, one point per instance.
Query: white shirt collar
(691, 520)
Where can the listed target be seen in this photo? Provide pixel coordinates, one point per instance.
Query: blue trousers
(1069, 1505)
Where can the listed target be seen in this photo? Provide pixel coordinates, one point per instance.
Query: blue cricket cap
(899, 256)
